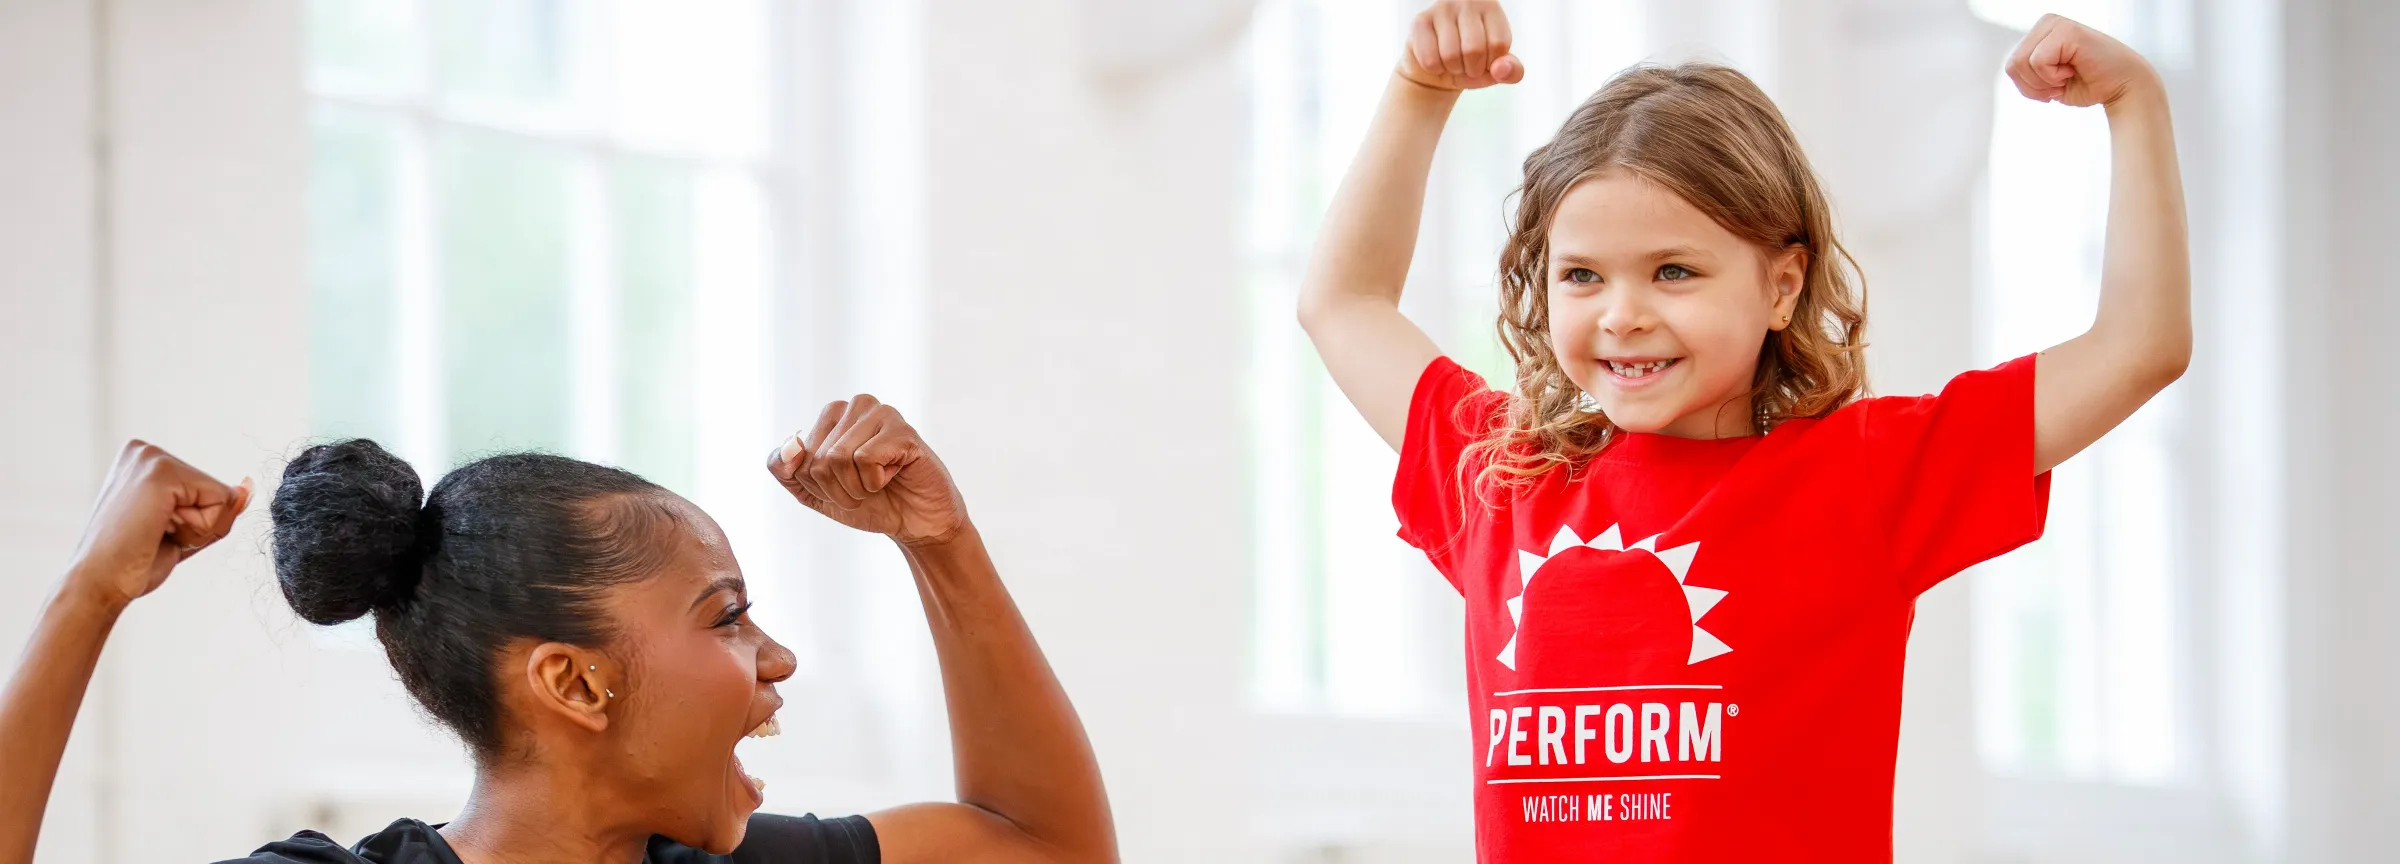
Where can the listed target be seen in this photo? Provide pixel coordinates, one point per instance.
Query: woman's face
(701, 677)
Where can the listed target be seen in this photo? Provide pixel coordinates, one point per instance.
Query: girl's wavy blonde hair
(1708, 134)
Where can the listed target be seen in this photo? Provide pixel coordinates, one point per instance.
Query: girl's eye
(1579, 274)
(1674, 273)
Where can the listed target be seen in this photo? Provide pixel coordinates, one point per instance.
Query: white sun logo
(1678, 561)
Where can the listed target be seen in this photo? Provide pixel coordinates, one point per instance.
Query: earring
(612, 694)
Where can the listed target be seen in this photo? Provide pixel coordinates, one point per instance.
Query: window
(2077, 670)
(544, 224)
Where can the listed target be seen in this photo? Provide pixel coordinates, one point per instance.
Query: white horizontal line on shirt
(1599, 689)
(1604, 779)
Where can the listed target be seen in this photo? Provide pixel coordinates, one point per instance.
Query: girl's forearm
(38, 709)
(1369, 235)
(2145, 274)
(1017, 746)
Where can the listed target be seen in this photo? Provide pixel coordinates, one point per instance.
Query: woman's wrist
(84, 590)
(948, 544)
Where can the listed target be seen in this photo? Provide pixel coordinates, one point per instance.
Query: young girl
(1689, 549)
(585, 634)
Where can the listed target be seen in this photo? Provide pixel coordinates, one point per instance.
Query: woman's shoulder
(803, 839)
(405, 841)
(776, 838)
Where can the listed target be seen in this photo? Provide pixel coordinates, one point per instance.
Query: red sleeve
(1950, 477)
(1450, 409)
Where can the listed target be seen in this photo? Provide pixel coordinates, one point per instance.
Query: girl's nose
(1626, 311)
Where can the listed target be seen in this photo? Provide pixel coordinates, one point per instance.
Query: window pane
(510, 52)
(2076, 669)
(654, 359)
(505, 339)
(353, 274)
(373, 45)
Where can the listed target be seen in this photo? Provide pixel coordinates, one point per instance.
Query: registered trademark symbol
(1733, 710)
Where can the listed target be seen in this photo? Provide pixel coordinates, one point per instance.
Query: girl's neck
(1732, 418)
(530, 815)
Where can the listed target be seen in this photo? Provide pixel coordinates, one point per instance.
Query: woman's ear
(1787, 274)
(571, 683)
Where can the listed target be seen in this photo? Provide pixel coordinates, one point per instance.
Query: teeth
(770, 728)
(1637, 370)
(755, 782)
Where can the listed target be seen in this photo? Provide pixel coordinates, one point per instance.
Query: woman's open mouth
(767, 728)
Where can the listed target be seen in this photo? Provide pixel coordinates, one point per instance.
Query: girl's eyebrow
(1580, 260)
(1676, 252)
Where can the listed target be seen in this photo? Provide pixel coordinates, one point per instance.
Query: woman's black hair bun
(349, 531)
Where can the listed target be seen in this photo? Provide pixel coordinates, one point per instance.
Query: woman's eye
(734, 615)
(1579, 274)
(1674, 273)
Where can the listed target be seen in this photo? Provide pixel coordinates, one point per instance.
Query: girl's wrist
(2145, 95)
(1412, 85)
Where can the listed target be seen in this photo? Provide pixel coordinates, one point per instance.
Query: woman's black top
(772, 838)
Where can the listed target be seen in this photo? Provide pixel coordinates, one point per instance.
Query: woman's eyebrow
(721, 583)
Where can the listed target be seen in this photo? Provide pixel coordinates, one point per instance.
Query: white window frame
(2221, 801)
(785, 567)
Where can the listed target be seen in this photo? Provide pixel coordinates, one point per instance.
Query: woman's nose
(775, 662)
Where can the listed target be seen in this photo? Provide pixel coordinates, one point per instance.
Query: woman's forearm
(1018, 748)
(38, 709)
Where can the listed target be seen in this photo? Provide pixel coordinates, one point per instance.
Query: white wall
(161, 296)
(2344, 209)
(1083, 289)
(46, 342)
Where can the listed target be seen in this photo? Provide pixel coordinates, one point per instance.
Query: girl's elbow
(2168, 361)
(1316, 308)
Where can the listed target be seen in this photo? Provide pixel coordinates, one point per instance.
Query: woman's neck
(530, 815)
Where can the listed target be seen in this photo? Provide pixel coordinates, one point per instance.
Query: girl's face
(1657, 311)
(702, 676)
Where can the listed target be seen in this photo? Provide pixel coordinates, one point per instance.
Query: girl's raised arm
(2142, 338)
(1350, 297)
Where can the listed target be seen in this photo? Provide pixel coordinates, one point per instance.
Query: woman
(584, 633)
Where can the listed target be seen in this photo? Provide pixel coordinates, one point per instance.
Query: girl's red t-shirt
(1691, 650)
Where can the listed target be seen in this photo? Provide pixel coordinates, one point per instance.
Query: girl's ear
(1787, 274)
